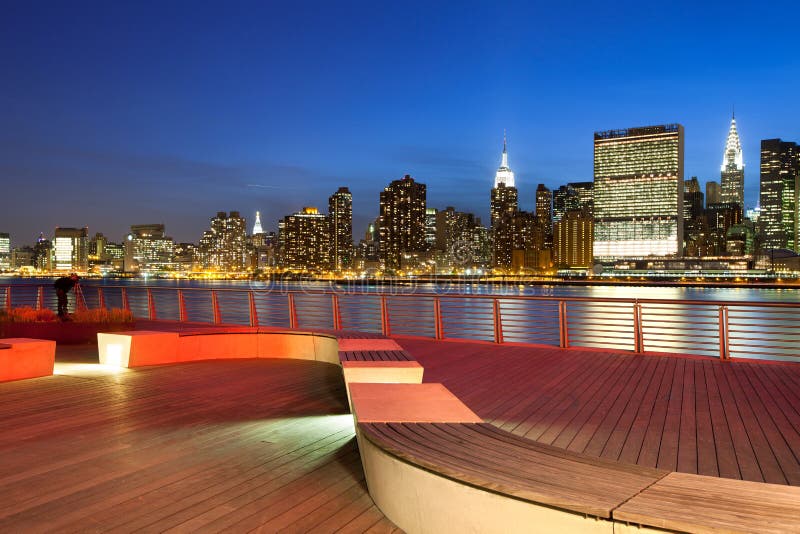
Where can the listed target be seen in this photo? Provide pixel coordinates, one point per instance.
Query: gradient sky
(119, 113)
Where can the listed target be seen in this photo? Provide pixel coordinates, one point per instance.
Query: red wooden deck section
(737, 420)
(258, 444)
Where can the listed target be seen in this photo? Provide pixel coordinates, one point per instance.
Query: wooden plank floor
(231, 446)
(738, 420)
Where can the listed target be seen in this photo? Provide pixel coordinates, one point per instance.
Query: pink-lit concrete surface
(408, 403)
(26, 358)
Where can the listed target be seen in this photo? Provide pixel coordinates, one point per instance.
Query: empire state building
(504, 205)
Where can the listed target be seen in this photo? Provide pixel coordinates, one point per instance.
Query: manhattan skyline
(127, 114)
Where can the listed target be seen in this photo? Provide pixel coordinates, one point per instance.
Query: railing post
(437, 317)
(101, 298)
(181, 306)
(563, 325)
(215, 307)
(724, 346)
(497, 320)
(40, 298)
(386, 329)
(151, 305)
(292, 312)
(638, 337)
(126, 305)
(337, 318)
(253, 310)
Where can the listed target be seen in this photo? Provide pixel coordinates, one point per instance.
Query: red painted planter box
(67, 333)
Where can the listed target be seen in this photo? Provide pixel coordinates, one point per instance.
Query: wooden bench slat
(459, 451)
(708, 504)
(376, 356)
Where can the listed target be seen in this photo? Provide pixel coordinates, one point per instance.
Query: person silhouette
(63, 285)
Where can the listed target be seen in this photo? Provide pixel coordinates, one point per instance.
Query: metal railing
(725, 330)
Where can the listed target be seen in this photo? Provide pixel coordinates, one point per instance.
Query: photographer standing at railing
(63, 285)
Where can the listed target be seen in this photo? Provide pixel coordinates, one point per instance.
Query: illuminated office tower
(573, 237)
(149, 247)
(544, 212)
(713, 193)
(780, 187)
(638, 192)
(71, 249)
(402, 221)
(307, 240)
(732, 169)
(340, 213)
(224, 245)
(5, 251)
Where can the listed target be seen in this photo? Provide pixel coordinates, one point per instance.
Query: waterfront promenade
(239, 445)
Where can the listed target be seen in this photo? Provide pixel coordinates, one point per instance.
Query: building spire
(504, 174)
(257, 226)
(504, 159)
(732, 157)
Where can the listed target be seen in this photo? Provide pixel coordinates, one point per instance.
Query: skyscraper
(713, 193)
(307, 240)
(732, 169)
(544, 212)
(402, 221)
(638, 192)
(149, 247)
(780, 187)
(224, 246)
(572, 241)
(573, 197)
(430, 228)
(71, 249)
(504, 174)
(340, 213)
(692, 199)
(504, 204)
(5, 251)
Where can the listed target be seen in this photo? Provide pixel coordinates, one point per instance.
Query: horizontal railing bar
(309, 292)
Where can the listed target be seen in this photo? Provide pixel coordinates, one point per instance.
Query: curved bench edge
(146, 347)
(412, 498)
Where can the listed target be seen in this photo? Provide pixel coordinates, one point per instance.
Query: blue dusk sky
(116, 113)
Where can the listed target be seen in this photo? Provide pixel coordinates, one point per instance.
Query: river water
(754, 327)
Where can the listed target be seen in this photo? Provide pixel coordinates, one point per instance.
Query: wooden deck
(738, 420)
(243, 445)
(201, 447)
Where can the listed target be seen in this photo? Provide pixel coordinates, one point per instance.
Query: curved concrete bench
(26, 358)
(141, 347)
(432, 465)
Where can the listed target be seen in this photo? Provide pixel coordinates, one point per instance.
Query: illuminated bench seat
(432, 465)
(26, 358)
(140, 347)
